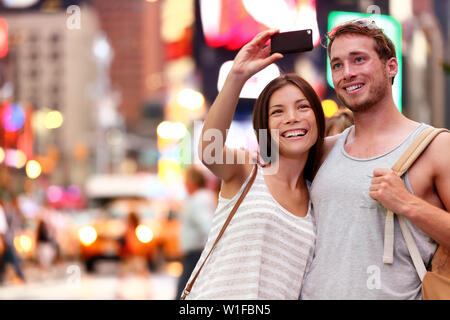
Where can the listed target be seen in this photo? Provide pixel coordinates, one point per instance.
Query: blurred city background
(101, 104)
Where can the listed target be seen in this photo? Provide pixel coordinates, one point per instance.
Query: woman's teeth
(297, 133)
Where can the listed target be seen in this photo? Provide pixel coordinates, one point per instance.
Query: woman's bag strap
(189, 286)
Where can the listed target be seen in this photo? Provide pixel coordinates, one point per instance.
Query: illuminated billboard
(233, 23)
(3, 38)
(255, 84)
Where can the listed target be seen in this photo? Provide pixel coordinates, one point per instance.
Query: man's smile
(353, 88)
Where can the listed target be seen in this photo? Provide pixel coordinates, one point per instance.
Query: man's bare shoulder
(438, 153)
(437, 158)
(429, 175)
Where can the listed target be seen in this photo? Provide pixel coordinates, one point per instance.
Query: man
(196, 221)
(354, 184)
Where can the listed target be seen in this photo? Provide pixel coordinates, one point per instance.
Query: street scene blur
(101, 106)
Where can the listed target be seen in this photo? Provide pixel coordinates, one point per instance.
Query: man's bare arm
(391, 192)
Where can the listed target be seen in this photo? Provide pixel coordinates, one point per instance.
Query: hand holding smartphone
(292, 42)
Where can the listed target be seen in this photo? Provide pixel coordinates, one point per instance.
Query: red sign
(3, 38)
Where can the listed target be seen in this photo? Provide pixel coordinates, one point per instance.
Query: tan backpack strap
(413, 151)
(412, 248)
(189, 286)
(388, 252)
(400, 167)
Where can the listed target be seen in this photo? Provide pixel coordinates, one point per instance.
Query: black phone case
(292, 42)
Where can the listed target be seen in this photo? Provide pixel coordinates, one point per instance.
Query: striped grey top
(262, 254)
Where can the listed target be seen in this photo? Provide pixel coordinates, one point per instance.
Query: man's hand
(389, 189)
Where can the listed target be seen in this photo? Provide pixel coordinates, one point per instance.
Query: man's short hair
(384, 46)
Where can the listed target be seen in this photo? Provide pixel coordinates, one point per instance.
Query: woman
(267, 245)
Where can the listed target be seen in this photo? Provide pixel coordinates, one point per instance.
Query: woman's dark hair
(261, 117)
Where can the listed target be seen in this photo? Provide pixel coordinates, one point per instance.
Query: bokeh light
(190, 99)
(171, 130)
(74, 193)
(144, 233)
(164, 130)
(38, 120)
(54, 194)
(23, 243)
(33, 169)
(87, 235)
(169, 171)
(12, 117)
(15, 158)
(53, 120)
(330, 107)
(175, 269)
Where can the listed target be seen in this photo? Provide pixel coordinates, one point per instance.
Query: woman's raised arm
(252, 58)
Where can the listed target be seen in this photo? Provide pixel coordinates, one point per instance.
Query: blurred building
(112, 69)
(424, 39)
(156, 75)
(133, 29)
(51, 67)
(141, 71)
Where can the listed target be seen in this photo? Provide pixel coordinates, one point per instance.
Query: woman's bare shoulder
(328, 145)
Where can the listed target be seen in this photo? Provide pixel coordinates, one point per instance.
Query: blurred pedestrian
(195, 222)
(340, 121)
(13, 221)
(3, 229)
(132, 246)
(45, 245)
(134, 276)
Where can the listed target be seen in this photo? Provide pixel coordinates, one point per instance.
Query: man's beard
(376, 93)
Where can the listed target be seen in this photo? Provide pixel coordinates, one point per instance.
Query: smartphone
(292, 42)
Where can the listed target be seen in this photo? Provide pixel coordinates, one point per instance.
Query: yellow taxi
(111, 234)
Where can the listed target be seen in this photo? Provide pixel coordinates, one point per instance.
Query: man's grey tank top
(348, 258)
